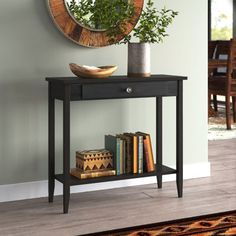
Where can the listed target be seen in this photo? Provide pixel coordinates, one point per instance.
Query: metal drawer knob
(129, 90)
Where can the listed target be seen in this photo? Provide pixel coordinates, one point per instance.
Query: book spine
(129, 156)
(124, 156)
(135, 155)
(121, 156)
(146, 154)
(118, 156)
(81, 175)
(151, 160)
(110, 144)
(140, 154)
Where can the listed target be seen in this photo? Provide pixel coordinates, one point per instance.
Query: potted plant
(151, 29)
(114, 17)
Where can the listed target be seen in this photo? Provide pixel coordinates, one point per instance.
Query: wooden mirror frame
(82, 35)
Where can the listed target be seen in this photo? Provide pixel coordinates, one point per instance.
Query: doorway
(221, 26)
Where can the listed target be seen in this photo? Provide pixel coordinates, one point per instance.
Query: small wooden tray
(99, 72)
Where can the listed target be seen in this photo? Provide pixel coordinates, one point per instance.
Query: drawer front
(76, 92)
(127, 90)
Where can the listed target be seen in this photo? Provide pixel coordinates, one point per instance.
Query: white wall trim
(28, 190)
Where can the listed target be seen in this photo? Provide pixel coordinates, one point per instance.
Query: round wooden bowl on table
(86, 72)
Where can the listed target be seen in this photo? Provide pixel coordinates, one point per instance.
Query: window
(221, 19)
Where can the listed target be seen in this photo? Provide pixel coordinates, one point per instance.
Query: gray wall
(32, 48)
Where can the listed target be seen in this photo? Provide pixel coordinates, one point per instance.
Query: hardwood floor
(117, 208)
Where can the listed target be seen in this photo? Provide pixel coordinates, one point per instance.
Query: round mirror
(95, 23)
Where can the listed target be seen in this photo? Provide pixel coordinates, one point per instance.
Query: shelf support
(51, 143)
(159, 140)
(179, 139)
(66, 148)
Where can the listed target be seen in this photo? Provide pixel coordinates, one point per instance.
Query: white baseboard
(28, 190)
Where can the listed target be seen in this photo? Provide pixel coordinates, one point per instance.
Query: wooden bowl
(92, 72)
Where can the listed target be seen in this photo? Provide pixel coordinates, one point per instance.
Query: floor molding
(29, 190)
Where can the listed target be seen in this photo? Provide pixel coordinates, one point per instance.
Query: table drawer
(127, 90)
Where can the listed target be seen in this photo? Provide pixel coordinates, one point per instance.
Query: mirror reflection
(83, 12)
(98, 15)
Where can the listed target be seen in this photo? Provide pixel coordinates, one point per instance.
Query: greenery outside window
(221, 19)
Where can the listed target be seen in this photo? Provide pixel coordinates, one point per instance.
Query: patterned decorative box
(94, 160)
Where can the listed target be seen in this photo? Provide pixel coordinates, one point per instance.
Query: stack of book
(132, 152)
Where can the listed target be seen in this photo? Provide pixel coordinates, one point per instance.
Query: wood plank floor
(117, 208)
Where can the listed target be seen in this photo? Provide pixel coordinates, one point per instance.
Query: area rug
(217, 126)
(208, 225)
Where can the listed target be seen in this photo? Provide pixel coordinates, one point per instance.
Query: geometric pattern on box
(94, 160)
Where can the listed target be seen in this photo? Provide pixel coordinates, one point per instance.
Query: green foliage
(221, 21)
(113, 16)
(81, 11)
(221, 29)
(224, 33)
(152, 24)
(103, 14)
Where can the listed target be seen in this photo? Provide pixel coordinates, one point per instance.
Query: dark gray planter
(139, 59)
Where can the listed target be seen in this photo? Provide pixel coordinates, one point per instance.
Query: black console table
(70, 89)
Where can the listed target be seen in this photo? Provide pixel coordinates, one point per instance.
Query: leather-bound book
(112, 143)
(87, 175)
(148, 151)
(135, 151)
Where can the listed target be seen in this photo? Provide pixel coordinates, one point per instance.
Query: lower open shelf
(164, 170)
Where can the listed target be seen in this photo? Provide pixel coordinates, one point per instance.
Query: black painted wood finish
(70, 89)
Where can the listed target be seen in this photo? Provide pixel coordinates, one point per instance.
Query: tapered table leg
(51, 144)
(234, 108)
(179, 139)
(159, 140)
(66, 149)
